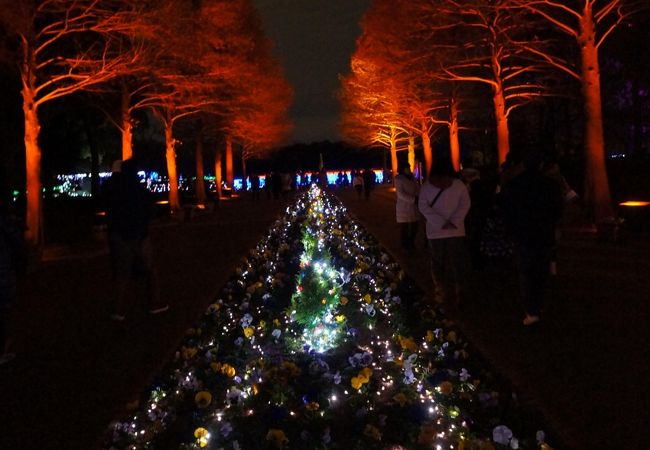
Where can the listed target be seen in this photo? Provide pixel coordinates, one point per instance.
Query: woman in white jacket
(444, 202)
(406, 210)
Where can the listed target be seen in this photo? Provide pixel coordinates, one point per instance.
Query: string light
(363, 299)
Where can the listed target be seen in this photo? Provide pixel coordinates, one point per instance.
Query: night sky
(314, 40)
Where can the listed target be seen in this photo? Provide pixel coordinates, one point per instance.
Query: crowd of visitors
(509, 220)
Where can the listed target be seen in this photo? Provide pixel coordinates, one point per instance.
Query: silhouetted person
(357, 182)
(128, 212)
(532, 205)
(12, 264)
(276, 185)
(406, 208)
(369, 180)
(255, 185)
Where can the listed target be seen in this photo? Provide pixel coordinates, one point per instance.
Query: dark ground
(586, 370)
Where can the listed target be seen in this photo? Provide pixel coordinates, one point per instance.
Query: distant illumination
(634, 203)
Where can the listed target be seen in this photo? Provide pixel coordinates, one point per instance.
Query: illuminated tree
(201, 80)
(588, 23)
(61, 47)
(370, 106)
(473, 41)
(255, 108)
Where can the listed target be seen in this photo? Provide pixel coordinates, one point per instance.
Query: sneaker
(117, 317)
(6, 358)
(531, 320)
(160, 310)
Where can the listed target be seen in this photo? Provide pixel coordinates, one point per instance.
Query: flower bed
(320, 342)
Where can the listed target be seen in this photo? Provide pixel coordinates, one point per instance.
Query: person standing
(369, 180)
(12, 264)
(406, 208)
(254, 180)
(533, 205)
(444, 202)
(128, 212)
(357, 182)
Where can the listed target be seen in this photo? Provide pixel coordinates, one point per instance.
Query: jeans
(133, 258)
(449, 260)
(407, 233)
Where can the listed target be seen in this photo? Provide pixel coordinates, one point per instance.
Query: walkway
(587, 369)
(76, 370)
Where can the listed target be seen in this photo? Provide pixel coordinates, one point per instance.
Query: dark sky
(314, 40)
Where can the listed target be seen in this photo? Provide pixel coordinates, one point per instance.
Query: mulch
(586, 369)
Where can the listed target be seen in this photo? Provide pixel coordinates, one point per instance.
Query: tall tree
(61, 47)
(588, 23)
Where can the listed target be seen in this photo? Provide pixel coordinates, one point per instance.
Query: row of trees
(420, 64)
(205, 64)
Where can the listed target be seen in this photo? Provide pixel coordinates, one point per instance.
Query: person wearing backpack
(444, 202)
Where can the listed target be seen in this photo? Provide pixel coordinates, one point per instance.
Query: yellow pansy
(293, 370)
(367, 298)
(262, 323)
(228, 370)
(356, 382)
(249, 332)
(255, 389)
(407, 344)
(340, 318)
(323, 301)
(430, 336)
(203, 399)
(401, 399)
(372, 432)
(276, 322)
(366, 373)
(277, 437)
(188, 352)
(202, 436)
(312, 406)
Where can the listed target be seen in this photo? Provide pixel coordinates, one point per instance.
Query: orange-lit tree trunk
(503, 134)
(230, 175)
(172, 174)
(454, 139)
(411, 152)
(33, 235)
(426, 146)
(598, 195)
(200, 172)
(393, 152)
(218, 178)
(126, 127)
(243, 171)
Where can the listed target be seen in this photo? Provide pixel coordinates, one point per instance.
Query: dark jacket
(533, 206)
(128, 207)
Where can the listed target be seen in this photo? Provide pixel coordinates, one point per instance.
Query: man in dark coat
(533, 206)
(128, 212)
